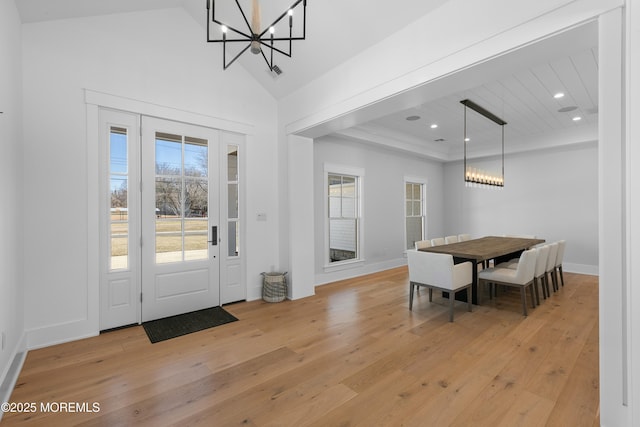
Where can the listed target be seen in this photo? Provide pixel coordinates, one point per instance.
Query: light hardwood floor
(353, 355)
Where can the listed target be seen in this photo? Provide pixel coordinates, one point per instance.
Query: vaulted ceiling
(336, 29)
(518, 87)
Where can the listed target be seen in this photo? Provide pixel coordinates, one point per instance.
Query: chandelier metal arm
(214, 20)
(246, 21)
(226, 65)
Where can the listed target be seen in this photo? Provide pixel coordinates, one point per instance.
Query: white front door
(179, 216)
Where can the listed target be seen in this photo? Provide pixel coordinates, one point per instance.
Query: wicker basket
(274, 287)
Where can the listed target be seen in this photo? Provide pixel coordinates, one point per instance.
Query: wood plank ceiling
(524, 99)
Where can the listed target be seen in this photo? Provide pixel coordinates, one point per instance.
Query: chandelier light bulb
(224, 29)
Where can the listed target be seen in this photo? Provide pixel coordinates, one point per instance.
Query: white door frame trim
(95, 100)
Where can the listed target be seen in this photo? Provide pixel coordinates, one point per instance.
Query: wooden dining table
(483, 249)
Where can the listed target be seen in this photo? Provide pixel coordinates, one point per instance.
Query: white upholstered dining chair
(464, 237)
(520, 277)
(437, 271)
(539, 273)
(451, 239)
(421, 244)
(437, 241)
(551, 267)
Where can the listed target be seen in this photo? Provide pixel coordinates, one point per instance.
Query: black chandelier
(255, 38)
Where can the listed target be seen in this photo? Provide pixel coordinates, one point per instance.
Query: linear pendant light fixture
(477, 177)
(257, 39)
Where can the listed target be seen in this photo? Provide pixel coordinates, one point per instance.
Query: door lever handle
(214, 236)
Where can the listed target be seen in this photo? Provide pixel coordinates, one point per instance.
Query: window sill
(343, 265)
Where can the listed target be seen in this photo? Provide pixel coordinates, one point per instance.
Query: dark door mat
(183, 324)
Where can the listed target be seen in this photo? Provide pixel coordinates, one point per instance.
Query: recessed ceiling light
(577, 118)
(558, 95)
(433, 126)
(413, 118)
(467, 139)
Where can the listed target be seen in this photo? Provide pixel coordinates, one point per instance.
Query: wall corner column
(613, 268)
(301, 214)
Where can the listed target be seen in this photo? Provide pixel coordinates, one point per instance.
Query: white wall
(11, 282)
(158, 57)
(552, 194)
(632, 128)
(383, 194)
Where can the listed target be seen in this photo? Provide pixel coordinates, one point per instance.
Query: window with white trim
(343, 202)
(415, 217)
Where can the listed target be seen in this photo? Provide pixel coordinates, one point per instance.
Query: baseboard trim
(591, 270)
(58, 334)
(10, 377)
(360, 270)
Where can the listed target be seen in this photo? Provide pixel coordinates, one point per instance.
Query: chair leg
(535, 290)
(559, 275)
(533, 297)
(549, 276)
(546, 284)
(410, 295)
(451, 299)
(523, 297)
(469, 298)
(430, 294)
(538, 281)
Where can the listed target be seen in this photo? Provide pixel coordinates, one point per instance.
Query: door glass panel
(182, 201)
(118, 206)
(168, 154)
(232, 163)
(168, 240)
(196, 157)
(233, 200)
(233, 233)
